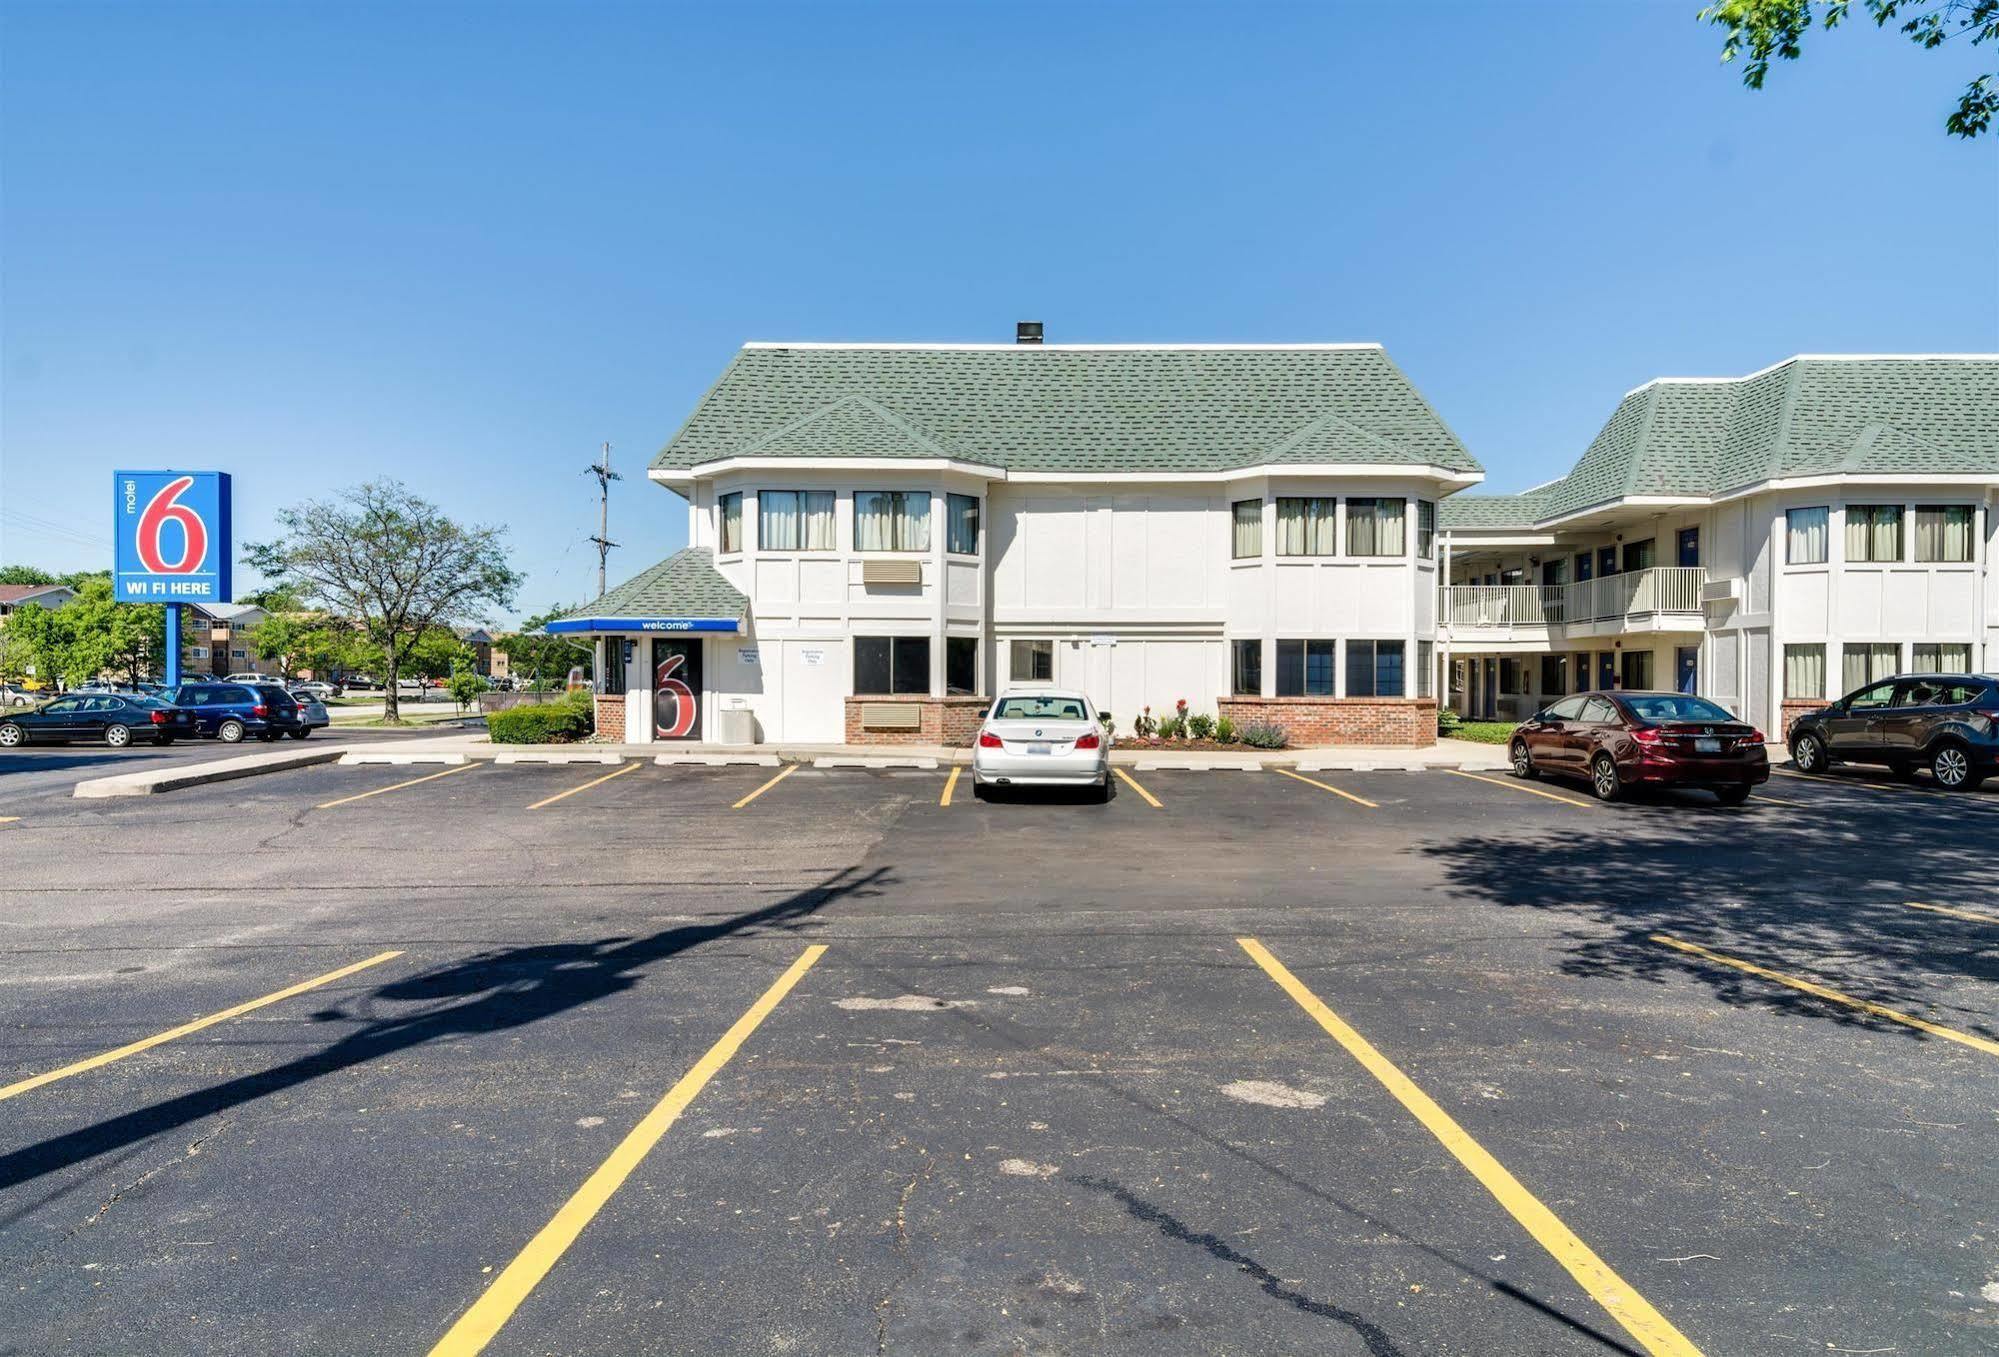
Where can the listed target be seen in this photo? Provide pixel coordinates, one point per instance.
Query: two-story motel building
(883, 535)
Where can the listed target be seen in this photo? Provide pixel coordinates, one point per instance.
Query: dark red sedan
(1620, 740)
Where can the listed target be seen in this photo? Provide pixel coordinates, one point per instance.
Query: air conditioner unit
(875, 571)
(1721, 591)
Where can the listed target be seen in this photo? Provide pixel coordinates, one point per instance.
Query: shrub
(1263, 735)
(1109, 723)
(1201, 725)
(542, 722)
(1225, 731)
(1143, 725)
(1171, 728)
(1448, 721)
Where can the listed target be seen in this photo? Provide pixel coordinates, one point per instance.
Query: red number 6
(163, 509)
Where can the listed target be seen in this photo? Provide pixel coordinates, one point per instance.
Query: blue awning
(615, 625)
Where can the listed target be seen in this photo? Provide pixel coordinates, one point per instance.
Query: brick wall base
(1400, 722)
(1791, 710)
(611, 717)
(939, 720)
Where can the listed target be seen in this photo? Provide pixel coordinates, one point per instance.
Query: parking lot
(582, 1059)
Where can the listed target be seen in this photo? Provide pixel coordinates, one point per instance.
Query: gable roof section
(684, 585)
(1056, 408)
(11, 594)
(1493, 511)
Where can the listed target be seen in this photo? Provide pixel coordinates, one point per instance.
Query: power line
(602, 471)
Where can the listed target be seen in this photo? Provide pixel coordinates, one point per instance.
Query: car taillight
(1647, 735)
(988, 740)
(1089, 741)
(1756, 737)
(260, 710)
(159, 718)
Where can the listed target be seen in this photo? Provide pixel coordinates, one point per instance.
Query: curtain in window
(1426, 662)
(912, 526)
(778, 524)
(1864, 664)
(1941, 657)
(874, 521)
(1944, 534)
(818, 520)
(1805, 531)
(1804, 671)
(732, 523)
(963, 515)
(1374, 527)
(1307, 526)
(1248, 529)
(1873, 532)
(1426, 529)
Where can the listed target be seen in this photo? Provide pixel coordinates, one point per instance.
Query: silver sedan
(1041, 738)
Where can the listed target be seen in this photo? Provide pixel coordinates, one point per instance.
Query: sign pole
(173, 645)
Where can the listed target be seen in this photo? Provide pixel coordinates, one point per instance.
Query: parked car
(1619, 740)
(316, 688)
(14, 695)
(1041, 739)
(1947, 723)
(248, 676)
(115, 719)
(230, 712)
(312, 714)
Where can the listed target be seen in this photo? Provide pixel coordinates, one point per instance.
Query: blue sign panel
(613, 624)
(171, 536)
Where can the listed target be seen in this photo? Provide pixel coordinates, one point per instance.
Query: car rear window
(147, 703)
(1672, 707)
(1040, 709)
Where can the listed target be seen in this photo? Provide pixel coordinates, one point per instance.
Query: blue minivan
(230, 711)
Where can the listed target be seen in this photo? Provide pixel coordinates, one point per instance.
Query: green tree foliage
(92, 634)
(391, 563)
(465, 686)
(24, 574)
(300, 639)
(1769, 29)
(541, 660)
(437, 653)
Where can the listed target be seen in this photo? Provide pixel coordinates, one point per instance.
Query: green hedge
(541, 722)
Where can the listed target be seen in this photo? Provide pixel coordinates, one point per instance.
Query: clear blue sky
(462, 244)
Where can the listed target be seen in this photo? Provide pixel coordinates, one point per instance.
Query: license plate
(1041, 749)
(1707, 746)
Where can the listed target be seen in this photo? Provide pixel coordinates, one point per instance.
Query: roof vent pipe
(1027, 332)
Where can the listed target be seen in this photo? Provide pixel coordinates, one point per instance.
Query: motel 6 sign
(172, 534)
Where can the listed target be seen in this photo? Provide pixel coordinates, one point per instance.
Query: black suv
(1947, 723)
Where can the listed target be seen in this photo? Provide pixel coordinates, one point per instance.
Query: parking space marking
(1971, 914)
(480, 1324)
(8, 819)
(1818, 991)
(1327, 787)
(1132, 783)
(395, 786)
(158, 1038)
(789, 769)
(1618, 1298)
(950, 784)
(1885, 788)
(1775, 801)
(616, 772)
(1523, 787)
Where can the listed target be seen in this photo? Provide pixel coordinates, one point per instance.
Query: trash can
(739, 726)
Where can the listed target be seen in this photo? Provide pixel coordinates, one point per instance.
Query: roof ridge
(852, 398)
(1167, 347)
(1312, 426)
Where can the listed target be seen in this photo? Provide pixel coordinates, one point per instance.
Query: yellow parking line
(1132, 783)
(1831, 995)
(1609, 1290)
(185, 1028)
(551, 800)
(949, 783)
(1758, 796)
(1523, 787)
(8, 819)
(789, 769)
(479, 1325)
(395, 786)
(1327, 787)
(1971, 914)
(1886, 788)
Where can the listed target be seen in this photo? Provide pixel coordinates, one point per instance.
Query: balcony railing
(1637, 593)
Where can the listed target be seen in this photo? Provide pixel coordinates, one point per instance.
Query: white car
(316, 689)
(1041, 738)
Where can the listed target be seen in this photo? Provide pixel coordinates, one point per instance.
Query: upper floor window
(795, 520)
(961, 514)
(1943, 532)
(1873, 532)
(1805, 536)
(1606, 561)
(1246, 529)
(1639, 555)
(1690, 546)
(1374, 527)
(732, 523)
(891, 520)
(1307, 526)
(1426, 529)
(1585, 566)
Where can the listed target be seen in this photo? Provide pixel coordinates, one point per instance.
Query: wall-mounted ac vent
(891, 572)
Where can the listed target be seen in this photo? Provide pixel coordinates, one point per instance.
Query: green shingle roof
(1069, 409)
(685, 584)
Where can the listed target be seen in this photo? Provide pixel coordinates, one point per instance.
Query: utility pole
(602, 471)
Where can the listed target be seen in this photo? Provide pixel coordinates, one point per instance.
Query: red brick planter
(611, 717)
(1398, 722)
(1791, 710)
(939, 720)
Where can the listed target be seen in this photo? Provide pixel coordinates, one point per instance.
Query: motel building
(882, 536)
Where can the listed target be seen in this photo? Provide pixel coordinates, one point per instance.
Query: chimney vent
(1027, 332)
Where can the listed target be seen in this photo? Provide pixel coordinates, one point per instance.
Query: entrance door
(676, 689)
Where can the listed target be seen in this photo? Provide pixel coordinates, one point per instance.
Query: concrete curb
(356, 756)
(556, 758)
(874, 763)
(200, 774)
(715, 760)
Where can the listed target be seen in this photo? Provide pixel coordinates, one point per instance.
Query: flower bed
(1192, 745)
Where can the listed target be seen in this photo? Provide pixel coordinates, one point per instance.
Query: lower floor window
(1865, 663)
(1426, 667)
(892, 665)
(1637, 674)
(1305, 668)
(1804, 671)
(1554, 674)
(1032, 661)
(1940, 657)
(1374, 669)
(961, 664)
(1246, 668)
(617, 655)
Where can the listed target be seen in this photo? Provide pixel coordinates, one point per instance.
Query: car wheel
(1523, 762)
(1603, 778)
(1950, 765)
(230, 732)
(12, 736)
(164, 741)
(117, 736)
(1731, 796)
(299, 734)
(1808, 754)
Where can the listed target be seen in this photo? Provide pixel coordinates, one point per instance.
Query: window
(1512, 577)
(1690, 546)
(1374, 527)
(1862, 664)
(1606, 561)
(617, 656)
(961, 664)
(239, 654)
(1305, 668)
(1307, 526)
(1426, 665)
(1637, 670)
(1943, 533)
(1568, 709)
(1678, 707)
(1246, 668)
(1554, 673)
(1804, 671)
(732, 523)
(1513, 677)
(1032, 661)
(891, 665)
(1873, 532)
(1555, 573)
(794, 520)
(1049, 708)
(197, 652)
(1246, 517)
(1638, 555)
(1874, 698)
(1805, 536)
(891, 520)
(961, 512)
(1584, 563)
(1374, 669)
(1426, 530)
(1598, 709)
(1940, 657)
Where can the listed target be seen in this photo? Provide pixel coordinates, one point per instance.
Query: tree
(391, 563)
(464, 686)
(90, 634)
(1776, 28)
(437, 652)
(540, 658)
(25, 574)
